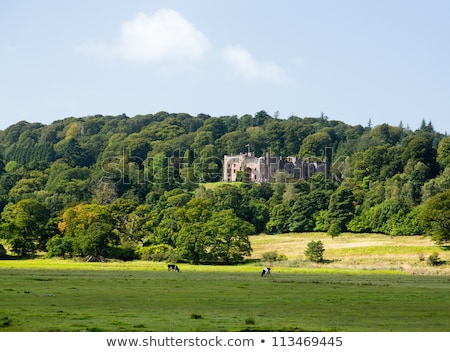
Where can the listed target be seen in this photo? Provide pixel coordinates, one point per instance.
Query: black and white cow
(265, 271)
(172, 267)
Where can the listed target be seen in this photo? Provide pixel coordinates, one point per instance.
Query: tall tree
(314, 145)
(443, 153)
(230, 235)
(90, 226)
(23, 225)
(436, 212)
(420, 148)
(341, 208)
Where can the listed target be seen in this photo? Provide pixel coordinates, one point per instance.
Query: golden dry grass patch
(356, 251)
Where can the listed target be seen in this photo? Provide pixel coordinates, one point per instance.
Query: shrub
(281, 257)
(434, 259)
(270, 256)
(124, 252)
(156, 252)
(334, 230)
(59, 246)
(314, 251)
(273, 256)
(174, 256)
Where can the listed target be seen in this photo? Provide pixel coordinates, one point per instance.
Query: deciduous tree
(436, 212)
(24, 225)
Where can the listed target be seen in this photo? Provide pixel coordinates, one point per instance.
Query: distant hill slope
(117, 185)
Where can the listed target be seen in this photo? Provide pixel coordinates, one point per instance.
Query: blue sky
(387, 61)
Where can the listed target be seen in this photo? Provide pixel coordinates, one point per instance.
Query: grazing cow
(266, 271)
(172, 267)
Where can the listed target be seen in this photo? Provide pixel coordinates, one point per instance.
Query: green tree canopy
(436, 212)
(23, 225)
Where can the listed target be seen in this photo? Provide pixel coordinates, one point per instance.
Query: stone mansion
(246, 166)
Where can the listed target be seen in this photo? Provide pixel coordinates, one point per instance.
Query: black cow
(172, 267)
(265, 271)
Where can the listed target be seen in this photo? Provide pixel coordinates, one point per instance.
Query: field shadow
(17, 257)
(294, 329)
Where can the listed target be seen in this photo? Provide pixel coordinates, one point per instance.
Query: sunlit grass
(73, 296)
(215, 185)
(367, 283)
(354, 250)
(58, 264)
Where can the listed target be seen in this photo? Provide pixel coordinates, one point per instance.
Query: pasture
(358, 251)
(58, 295)
(368, 283)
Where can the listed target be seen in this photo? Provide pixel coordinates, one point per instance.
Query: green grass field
(68, 295)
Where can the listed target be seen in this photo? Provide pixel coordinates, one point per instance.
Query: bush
(281, 257)
(434, 259)
(59, 246)
(314, 251)
(334, 230)
(156, 252)
(125, 253)
(273, 256)
(270, 256)
(174, 256)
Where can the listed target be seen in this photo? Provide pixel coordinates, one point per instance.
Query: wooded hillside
(134, 187)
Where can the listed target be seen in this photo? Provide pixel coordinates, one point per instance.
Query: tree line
(149, 186)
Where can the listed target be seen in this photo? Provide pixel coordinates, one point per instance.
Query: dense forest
(150, 186)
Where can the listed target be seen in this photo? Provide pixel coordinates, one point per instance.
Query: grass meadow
(367, 283)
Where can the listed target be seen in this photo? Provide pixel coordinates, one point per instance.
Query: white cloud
(246, 66)
(164, 36)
